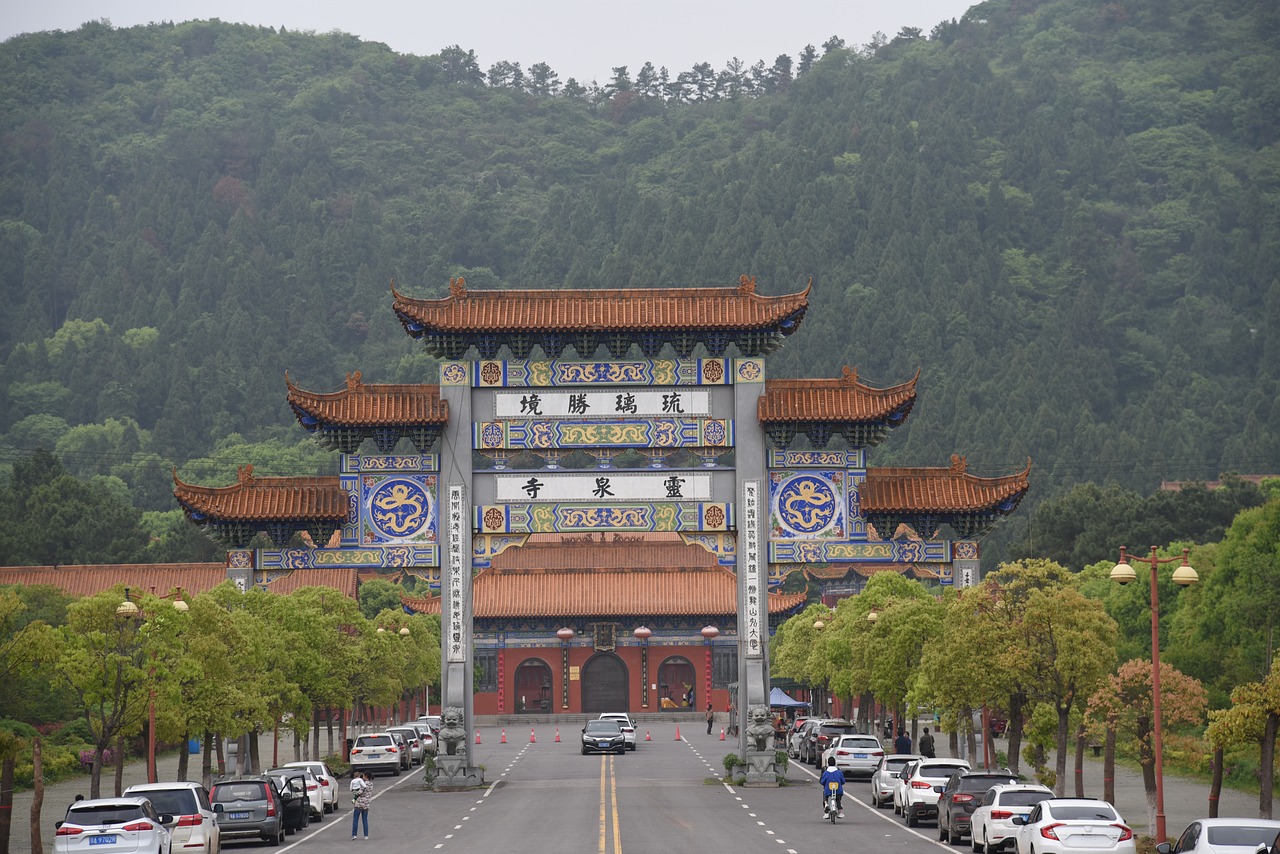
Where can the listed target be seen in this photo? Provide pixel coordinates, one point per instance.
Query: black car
(249, 806)
(603, 736)
(821, 736)
(960, 796)
(292, 783)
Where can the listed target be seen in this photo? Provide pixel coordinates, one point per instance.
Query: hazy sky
(577, 38)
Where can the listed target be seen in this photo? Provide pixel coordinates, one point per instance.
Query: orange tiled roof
(358, 404)
(587, 578)
(264, 499)
(842, 399)
(165, 578)
(949, 489)
(738, 307)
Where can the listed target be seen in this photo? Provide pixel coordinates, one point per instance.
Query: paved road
(547, 797)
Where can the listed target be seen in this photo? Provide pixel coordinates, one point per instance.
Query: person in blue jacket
(832, 773)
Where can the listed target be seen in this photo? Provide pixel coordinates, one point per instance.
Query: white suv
(626, 724)
(375, 751)
(195, 824)
(919, 795)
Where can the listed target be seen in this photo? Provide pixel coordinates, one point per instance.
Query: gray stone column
(456, 658)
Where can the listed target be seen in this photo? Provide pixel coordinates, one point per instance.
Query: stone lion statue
(759, 727)
(452, 733)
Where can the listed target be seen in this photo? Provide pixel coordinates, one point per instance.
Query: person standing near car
(926, 745)
(361, 794)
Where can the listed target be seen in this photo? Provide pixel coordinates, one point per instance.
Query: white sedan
(885, 776)
(329, 795)
(1069, 825)
(1224, 836)
(991, 825)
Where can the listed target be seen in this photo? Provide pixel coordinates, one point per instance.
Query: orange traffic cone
(557, 735)
(504, 736)
(477, 735)
(677, 732)
(533, 739)
(647, 737)
(722, 733)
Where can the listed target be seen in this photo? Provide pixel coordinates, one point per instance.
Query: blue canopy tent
(779, 699)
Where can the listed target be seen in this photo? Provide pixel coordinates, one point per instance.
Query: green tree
(1068, 646)
(1254, 716)
(378, 595)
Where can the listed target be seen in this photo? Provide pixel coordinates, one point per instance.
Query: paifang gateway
(605, 533)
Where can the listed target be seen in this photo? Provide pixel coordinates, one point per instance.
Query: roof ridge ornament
(958, 465)
(746, 284)
(354, 380)
(850, 375)
(244, 475)
(458, 287)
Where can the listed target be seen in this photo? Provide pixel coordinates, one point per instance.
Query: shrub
(731, 761)
(75, 732)
(18, 728)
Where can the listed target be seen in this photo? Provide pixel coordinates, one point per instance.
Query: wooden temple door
(604, 684)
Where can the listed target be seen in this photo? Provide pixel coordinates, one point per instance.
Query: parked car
(855, 755)
(1067, 825)
(603, 736)
(991, 826)
(426, 736)
(249, 806)
(315, 797)
(960, 796)
(433, 721)
(1273, 849)
(330, 797)
(413, 742)
(918, 794)
(819, 736)
(794, 735)
(900, 785)
(292, 784)
(195, 824)
(113, 824)
(375, 751)
(626, 723)
(885, 776)
(1225, 836)
(406, 758)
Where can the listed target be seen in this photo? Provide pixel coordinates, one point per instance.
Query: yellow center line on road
(609, 806)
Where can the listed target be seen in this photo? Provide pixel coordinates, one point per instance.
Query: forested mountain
(1065, 213)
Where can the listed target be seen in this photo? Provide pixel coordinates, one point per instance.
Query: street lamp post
(1184, 575)
(709, 633)
(566, 635)
(643, 633)
(129, 610)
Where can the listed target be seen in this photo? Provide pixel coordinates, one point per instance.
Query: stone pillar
(457, 640)
(751, 494)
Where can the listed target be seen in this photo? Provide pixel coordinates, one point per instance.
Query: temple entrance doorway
(677, 683)
(604, 684)
(533, 686)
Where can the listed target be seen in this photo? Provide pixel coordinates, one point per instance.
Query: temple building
(608, 531)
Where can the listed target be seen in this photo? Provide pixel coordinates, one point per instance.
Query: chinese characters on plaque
(594, 487)
(551, 403)
(459, 563)
(751, 568)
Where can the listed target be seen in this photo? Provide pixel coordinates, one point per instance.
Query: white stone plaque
(599, 486)
(646, 402)
(455, 638)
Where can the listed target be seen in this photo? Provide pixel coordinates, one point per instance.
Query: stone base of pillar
(452, 774)
(762, 769)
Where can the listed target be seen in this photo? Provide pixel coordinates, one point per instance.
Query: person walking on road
(926, 745)
(902, 744)
(711, 718)
(361, 794)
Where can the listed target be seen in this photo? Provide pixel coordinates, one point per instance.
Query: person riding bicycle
(832, 774)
